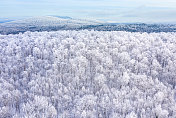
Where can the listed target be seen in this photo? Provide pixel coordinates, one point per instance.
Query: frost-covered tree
(87, 74)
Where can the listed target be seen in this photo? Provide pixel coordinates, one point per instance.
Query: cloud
(121, 11)
(152, 14)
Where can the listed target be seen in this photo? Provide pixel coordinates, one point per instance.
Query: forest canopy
(88, 74)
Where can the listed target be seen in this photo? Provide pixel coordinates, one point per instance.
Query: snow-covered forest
(88, 74)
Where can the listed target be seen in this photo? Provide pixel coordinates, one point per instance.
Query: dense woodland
(88, 74)
(133, 27)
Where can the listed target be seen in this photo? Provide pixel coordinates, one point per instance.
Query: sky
(115, 11)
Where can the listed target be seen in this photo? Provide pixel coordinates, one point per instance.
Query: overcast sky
(107, 10)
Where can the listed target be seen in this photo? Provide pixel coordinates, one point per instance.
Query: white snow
(87, 74)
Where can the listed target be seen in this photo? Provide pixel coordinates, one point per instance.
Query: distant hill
(45, 23)
(50, 21)
(5, 21)
(54, 23)
(64, 17)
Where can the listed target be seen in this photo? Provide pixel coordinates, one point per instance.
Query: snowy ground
(87, 74)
